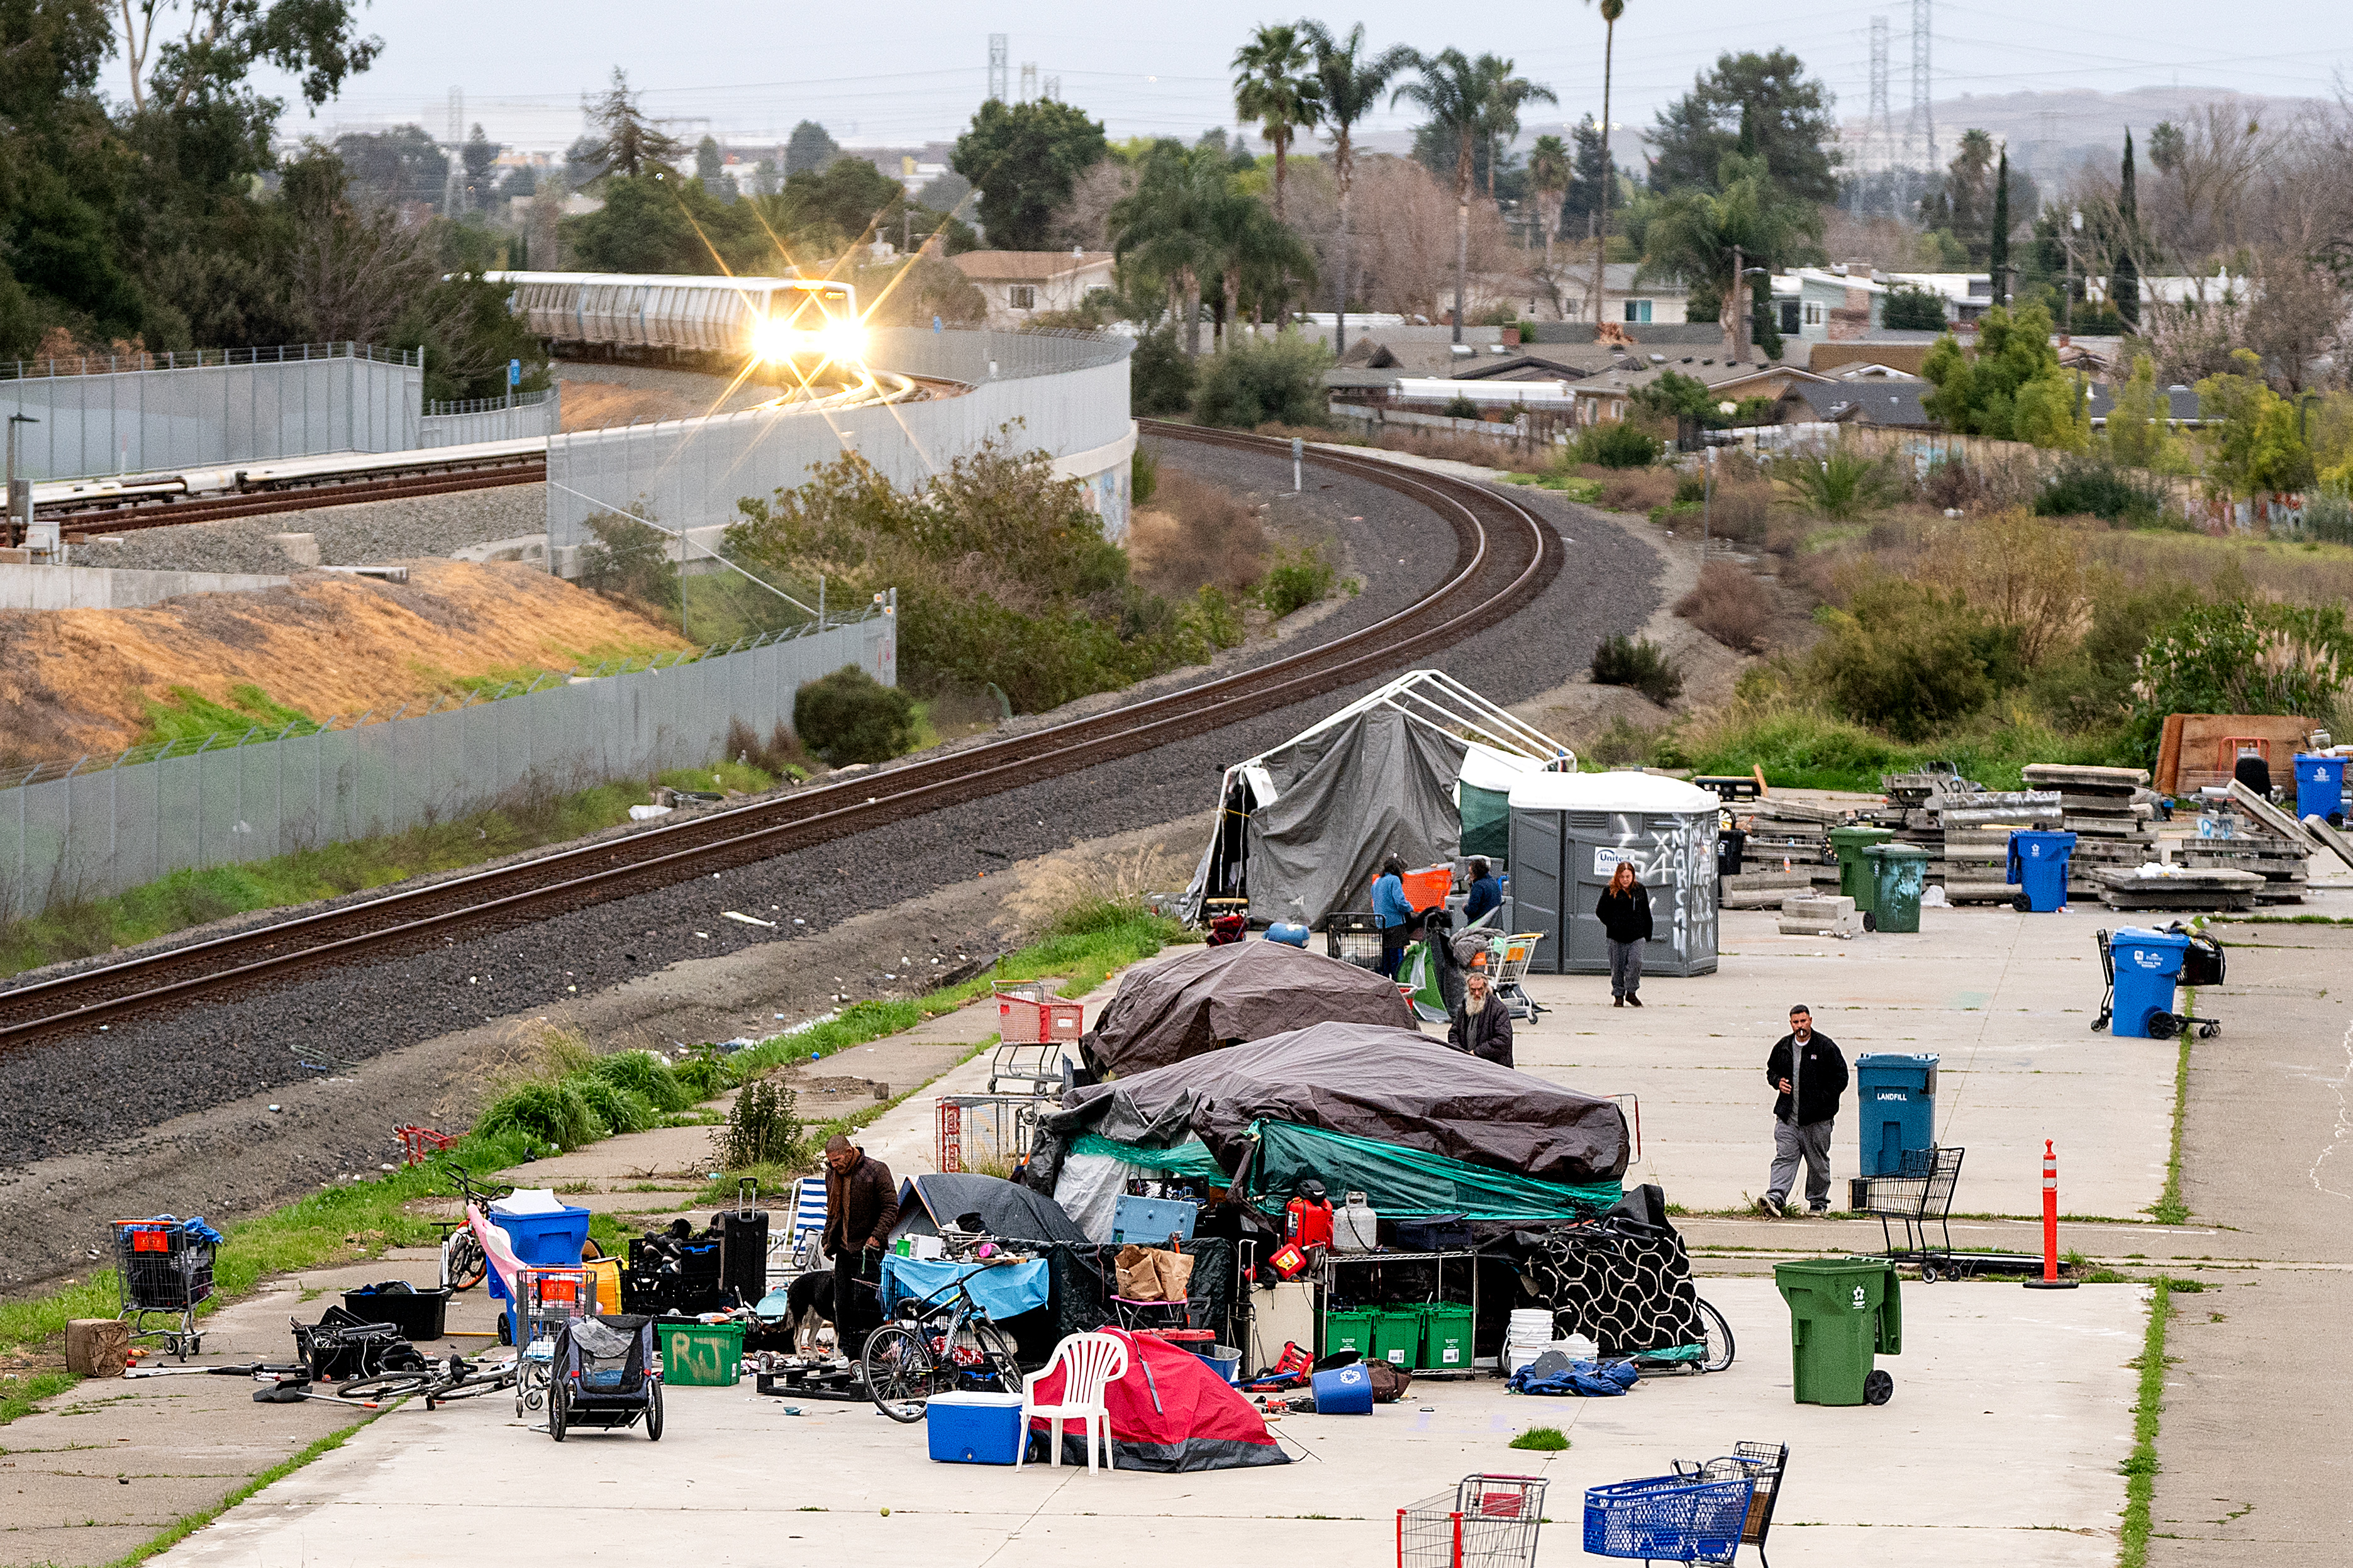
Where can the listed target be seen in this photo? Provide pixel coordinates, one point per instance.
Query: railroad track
(326, 490)
(1504, 556)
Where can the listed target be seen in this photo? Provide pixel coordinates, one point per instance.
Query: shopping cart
(1485, 1521)
(1032, 1032)
(1763, 1463)
(1671, 1518)
(165, 1267)
(544, 1301)
(1508, 958)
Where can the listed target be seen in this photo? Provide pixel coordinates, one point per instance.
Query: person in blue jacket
(1393, 913)
(1486, 892)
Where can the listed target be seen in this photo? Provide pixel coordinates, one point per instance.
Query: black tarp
(929, 1203)
(1203, 998)
(1391, 1085)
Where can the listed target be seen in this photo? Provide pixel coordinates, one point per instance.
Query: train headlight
(776, 339)
(843, 340)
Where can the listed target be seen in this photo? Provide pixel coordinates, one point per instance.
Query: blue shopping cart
(1704, 1513)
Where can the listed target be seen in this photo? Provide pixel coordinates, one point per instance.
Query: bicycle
(944, 1344)
(440, 1382)
(464, 1264)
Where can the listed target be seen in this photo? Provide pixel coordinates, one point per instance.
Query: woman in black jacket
(1625, 913)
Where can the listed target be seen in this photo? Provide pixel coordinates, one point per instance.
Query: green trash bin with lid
(1843, 1312)
(1854, 871)
(1899, 873)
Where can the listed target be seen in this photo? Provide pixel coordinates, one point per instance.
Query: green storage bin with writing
(1445, 1337)
(701, 1355)
(1351, 1330)
(1397, 1335)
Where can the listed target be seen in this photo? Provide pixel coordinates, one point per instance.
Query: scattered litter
(740, 1043)
(703, 935)
(746, 919)
(275, 1108)
(647, 813)
(799, 922)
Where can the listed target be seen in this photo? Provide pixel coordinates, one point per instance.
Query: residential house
(1627, 297)
(1020, 285)
(1890, 404)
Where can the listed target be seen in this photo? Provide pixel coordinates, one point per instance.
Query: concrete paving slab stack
(1818, 915)
(1966, 829)
(1788, 851)
(2113, 829)
(2255, 845)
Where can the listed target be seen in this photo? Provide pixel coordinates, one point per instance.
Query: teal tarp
(1190, 1159)
(1486, 821)
(1406, 1184)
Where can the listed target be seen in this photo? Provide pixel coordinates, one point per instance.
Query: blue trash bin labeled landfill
(2146, 963)
(2321, 787)
(1897, 1106)
(2038, 868)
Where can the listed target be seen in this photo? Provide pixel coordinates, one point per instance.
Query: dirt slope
(80, 681)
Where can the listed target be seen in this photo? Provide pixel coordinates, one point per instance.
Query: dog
(809, 1306)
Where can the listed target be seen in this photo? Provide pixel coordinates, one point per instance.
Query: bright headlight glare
(774, 340)
(843, 340)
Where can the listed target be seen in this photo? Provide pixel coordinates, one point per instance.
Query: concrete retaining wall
(113, 588)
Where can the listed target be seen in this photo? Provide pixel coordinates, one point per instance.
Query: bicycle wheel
(467, 1263)
(900, 1371)
(1719, 1337)
(472, 1387)
(653, 1409)
(387, 1385)
(1003, 1357)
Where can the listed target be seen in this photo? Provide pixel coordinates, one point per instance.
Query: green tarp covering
(1486, 821)
(1191, 1158)
(1404, 1184)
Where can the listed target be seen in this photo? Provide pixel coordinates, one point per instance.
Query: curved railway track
(1504, 556)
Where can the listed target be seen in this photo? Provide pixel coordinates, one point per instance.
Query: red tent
(1170, 1413)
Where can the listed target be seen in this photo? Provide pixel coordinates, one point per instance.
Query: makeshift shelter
(1204, 998)
(1170, 1413)
(1302, 829)
(1360, 1100)
(928, 1205)
(1571, 832)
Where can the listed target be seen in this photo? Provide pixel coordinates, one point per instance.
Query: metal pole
(20, 508)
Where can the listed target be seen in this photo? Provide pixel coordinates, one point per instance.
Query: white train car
(775, 318)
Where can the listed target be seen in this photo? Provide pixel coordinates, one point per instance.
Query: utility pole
(1739, 316)
(1878, 126)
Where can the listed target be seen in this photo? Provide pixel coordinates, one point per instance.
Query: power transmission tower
(1878, 129)
(1920, 134)
(453, 180)
(1000, 88)
(1052, 90)
(1028, 81)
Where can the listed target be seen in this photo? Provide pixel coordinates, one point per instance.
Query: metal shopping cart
(1671, 1518)
(1918, 1195)
(544, 1301)
(1485, 1521)
(165, 1267)
(1033, 1031)
(1764, 1464)
(1508, 958)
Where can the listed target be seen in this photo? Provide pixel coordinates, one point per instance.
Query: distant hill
(2051, 134)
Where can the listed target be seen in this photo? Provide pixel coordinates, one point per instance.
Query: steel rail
(1496, 537)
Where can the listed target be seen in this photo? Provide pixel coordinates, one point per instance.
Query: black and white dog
(809, 1305)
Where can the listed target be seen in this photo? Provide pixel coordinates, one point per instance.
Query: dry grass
(1729, 605)
(1079, 879)
(597, 404)
(1193, 533)
(1631, 489)
(1741, 510)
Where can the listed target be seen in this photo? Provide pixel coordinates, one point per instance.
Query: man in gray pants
(1809, 1074)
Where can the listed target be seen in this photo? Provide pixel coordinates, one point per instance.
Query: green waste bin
(1397, 1336)
(1842, 1311)
(1898, 874)
(1445, 1337)
(1348, 1332)
(1854, 871)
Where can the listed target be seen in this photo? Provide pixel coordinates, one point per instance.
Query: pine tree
(1998, 248)
(2124, 274)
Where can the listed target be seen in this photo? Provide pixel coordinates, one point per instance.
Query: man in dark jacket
(1481, 1024)
(861, 1204)
(1809, 1073)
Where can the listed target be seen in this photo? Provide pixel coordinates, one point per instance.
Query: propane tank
(1355, 1226)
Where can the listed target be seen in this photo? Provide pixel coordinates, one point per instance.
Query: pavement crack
(2336, 1085)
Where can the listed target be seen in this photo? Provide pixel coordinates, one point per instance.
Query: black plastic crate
(417, 1314)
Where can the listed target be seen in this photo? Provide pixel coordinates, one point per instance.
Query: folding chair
(808, 1224)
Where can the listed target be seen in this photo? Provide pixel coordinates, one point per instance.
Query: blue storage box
(973, 1428)
(1149, 1221)
(1344, 1390)
(541, 1241)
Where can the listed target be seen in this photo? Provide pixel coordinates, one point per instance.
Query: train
(811, 322)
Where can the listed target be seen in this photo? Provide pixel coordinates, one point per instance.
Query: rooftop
(1027, 266)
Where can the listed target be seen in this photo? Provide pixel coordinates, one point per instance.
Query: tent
(1383, 1085)
(1570, 834)
(1168, 1413)
(1303, 830)
(927, 1205)
(1207, 997)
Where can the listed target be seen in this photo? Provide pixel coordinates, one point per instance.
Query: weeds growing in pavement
(2140, 1466)
(2169, 1209)
(1542, 1440)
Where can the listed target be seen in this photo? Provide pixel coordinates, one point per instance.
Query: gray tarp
(1394, 1085)
(1205, 997)
(929, 1203)
(1374, 785)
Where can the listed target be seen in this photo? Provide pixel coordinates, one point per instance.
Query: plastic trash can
(1898, 1108)
(1445, 1337)
(1843, 1312)
(1854, 871)
(1899, 874)
(1348, 1332)
(1397, 1336)
(701, 1355)
(2038, 869)
(2146, 963)
(2321, 787)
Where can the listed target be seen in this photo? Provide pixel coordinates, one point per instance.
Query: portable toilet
(1569, 834)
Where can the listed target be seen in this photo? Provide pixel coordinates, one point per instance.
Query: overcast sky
(879, 75)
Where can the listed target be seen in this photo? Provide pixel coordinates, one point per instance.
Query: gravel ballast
(364, 533)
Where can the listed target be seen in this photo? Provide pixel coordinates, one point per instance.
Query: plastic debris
(746, 919)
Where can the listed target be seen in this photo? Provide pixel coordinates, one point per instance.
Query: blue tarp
(1005, 1290)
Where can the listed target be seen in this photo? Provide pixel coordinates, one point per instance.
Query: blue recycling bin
(2038, 868)
(2320, 788)
(1896, 1097)
(2146, 965)
(551, 1240)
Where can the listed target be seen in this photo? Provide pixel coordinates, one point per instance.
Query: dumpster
(2320, 788)
(1899, 873)
(2038, 869)
(2146, 965)
(1842, 1313)
(1898, 1107)
(1854, 872)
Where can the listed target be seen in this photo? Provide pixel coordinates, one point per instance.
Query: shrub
(1144, 478)
(1838, 484)
(1639, 663)
(1729, 605)
(850, 717)
(1740, 511)
(1159, 375)
(1258, 380)
(763, 1128)
(2241, 657)
(630, 559)
(1915, 310)
(1616, 444)
(620, 1110)
(1621, 743)
(1215, 617)
(546, 1113)
(1909, 659)
(644, 1074)
(1198, 533)
(781, 755)
(1460, 406)
(2094, 486)
(1632, 490)
(1299, 578)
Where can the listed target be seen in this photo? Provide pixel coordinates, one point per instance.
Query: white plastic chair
(1088, 1363)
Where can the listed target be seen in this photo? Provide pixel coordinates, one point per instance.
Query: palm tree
(1349, 86)
(1455, 94)
(1610, 11)
(1698, 233)
(1499, 111)
(1166, 227)
(1548, 174)
(1271, 89)
(1248, 244)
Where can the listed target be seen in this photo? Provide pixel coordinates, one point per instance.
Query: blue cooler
(551, 1240)
(2038, 869)
(1897, 1113)
(2320, 788)
(1344, 1390)
(2146, 963)
(973, 1428)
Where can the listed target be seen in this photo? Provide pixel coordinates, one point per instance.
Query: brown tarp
(1207, 997)
(1393, 1085)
